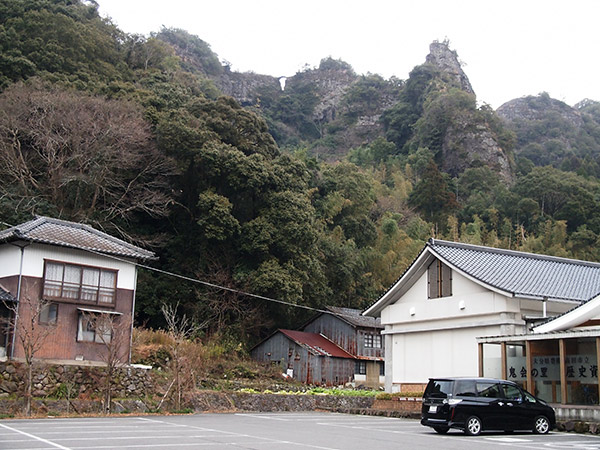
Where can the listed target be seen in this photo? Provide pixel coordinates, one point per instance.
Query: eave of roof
(46, 230)
(572, 333)
(6, 296)
(354, 318)
(446, 252)
(571, 318)
(317, 344)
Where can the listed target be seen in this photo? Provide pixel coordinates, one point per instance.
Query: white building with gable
(468, 310)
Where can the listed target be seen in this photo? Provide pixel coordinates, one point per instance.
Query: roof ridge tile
(48, 230)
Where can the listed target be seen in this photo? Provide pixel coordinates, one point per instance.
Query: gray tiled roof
(523, 274)
(6, 296)
(354, 317)
(51, 231)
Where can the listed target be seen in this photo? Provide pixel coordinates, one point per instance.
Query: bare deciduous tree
(88, 156)
(30, 334)
(112, 331)
(227, 307)
(180, 329)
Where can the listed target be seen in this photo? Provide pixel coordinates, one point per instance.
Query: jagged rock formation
(197, 57)
(331, 109)
(330, 83)
(467, 141)
(339, 113)
(550, 132)
(468, 146)
(247, 87)
(446, 60)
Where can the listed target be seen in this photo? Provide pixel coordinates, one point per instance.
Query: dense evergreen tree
(433, 197)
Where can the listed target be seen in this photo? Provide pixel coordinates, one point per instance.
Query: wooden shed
(308, 357)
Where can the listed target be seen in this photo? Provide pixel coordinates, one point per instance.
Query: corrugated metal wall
(308, 368)
(346, 336)
(336, 330)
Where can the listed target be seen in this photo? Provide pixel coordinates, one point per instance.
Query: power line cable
(217, 286)
(213, 285)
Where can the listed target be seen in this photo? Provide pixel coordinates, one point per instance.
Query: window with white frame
(372, 340)
(94, 328)
(79, 283)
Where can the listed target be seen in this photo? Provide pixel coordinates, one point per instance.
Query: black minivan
(483, 404)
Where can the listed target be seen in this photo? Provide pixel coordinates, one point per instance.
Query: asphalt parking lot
(323, 431)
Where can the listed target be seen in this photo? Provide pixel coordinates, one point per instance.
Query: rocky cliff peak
(537, 108)
(446, 60)
(330, 80)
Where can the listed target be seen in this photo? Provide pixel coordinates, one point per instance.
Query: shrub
(397, 395)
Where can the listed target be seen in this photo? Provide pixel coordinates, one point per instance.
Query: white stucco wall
(35, 254)
(470, 305)
(419, 356)
(437, 337)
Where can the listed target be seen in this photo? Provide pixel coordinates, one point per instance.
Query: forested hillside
(318, 194)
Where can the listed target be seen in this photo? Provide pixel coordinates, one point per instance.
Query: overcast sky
(509, 48)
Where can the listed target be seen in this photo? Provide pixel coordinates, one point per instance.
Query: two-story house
(76, 273)
(335, 347)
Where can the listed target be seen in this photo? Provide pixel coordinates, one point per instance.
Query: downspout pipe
(132, 314)
(545, 307)
(22, 246)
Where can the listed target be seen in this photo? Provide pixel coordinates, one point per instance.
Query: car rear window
(465, 388)
(439, 388)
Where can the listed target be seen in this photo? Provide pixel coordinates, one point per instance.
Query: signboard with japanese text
(583, 368)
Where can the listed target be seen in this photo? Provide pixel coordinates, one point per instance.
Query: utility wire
(216, 286)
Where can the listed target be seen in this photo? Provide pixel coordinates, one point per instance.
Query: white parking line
(229, 433)
(37, 438)
(507, 439)
(260, 416)
(575, 444)
(188, 444)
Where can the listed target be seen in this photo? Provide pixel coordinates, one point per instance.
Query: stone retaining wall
(54, 407)
(211, 401)
(205, 401)
(51, 380)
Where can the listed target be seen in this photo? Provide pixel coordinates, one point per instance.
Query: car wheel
(541, 425)
(441, 430)
(473, 426)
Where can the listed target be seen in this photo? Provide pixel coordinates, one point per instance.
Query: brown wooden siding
(345, 335)
(61, 342)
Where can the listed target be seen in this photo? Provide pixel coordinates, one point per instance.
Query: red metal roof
(317, 344)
